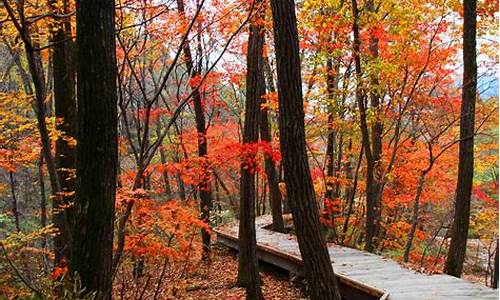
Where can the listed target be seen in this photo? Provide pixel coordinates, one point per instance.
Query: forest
(134, 133)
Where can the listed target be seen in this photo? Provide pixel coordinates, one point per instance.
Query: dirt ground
(217, 280)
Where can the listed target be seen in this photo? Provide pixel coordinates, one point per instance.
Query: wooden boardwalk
(377, 276)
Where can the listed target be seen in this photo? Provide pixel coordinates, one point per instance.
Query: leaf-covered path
(216, 281)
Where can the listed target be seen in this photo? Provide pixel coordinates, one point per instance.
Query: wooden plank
(355, 269)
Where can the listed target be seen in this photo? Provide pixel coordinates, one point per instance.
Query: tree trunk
(204, 186)
(163, 160)
(317, 266)
(15, 211)
(43, 210)
(494, 279)
(332, 84)
(248, 268)
(371, 188)
(181, 188)
(268, 75)
(414, 223)
(97, 151)
(376, 134)
(270, 167)
(65, 110)
(458, 245)
(351, 195)
(338, 167)
(166, 177)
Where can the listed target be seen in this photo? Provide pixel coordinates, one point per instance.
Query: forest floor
(216, 280)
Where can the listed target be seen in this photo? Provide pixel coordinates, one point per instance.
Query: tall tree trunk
(248, 268)
(269, 165)
(332, 84)
(317, 265)
(204, 186)
(65, 110)
(15, 211)
(268, 75)
(458, 245)
(371, 187)
(376, 133)
(97, 151)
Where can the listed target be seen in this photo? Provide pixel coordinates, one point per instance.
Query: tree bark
(458, 245)
(269, 165)
(204, 186)
(317, 266)
(248, 267)
(332, 84)
(376, 133)
(372, 190)
(268, 75)
(15, 211)
(65, 111)
(97, 151)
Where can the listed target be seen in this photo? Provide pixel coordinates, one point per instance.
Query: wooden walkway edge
(356, 270)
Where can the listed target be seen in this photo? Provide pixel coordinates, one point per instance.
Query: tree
(248, 267)
(317, 266)
(373, 151)
(65, 111)
(96, 161)
(204, 185)
(269, 165)
(460, 229)
(273, 177)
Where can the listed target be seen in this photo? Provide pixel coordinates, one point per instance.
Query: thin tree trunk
(458, 245)
(332, 84)
(163, 160)
(15, 212)
(43, 210)
(248, 268)
(338, 167)
(181, 189)
(269, 165)
(204, 186)
(371, 189)
(97, 150)
(376, 133)
(268, 75)
(494, 279)
(317, 265)
(352, 195)
(164, 174)
(43, 197)
(414, 223)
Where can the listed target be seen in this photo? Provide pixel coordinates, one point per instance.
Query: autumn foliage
(157, 215)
